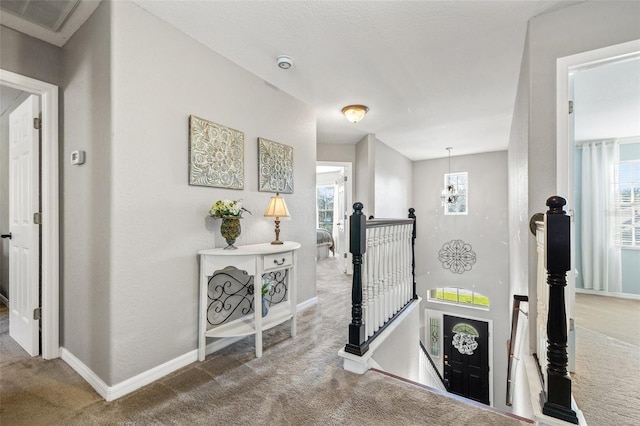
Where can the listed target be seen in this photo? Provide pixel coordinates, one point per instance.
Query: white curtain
(601, 264)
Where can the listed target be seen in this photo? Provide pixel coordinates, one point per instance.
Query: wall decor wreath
(457, 256)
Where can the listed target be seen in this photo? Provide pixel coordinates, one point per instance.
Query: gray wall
(364, 182)
(485, 228)
(393, 182)
(580, 28)
(383, 179)
(333, 152)
(518, 184)
(33, 58)
(87, 196)
(131, 274)
(29, 56)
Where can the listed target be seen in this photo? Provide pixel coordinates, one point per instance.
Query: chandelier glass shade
(449, 193)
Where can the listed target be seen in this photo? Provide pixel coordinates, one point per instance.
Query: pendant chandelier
(449, 193)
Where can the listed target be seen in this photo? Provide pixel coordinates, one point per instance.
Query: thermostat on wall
(77, 157)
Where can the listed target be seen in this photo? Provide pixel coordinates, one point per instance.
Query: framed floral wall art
(216, 155)
(275, 167)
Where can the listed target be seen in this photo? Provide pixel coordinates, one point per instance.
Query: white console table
(255, 259)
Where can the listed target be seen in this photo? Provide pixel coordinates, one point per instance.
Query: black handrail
(444, 382)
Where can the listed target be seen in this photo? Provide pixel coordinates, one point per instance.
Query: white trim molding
(50, 240)
(111, 393)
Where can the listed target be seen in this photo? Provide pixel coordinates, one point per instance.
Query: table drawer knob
(279, 263)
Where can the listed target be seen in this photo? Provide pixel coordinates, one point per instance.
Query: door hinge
(37, 313)
(345, 255)
(570, 107)
(345, 178)
(37, 123)
(37, 218)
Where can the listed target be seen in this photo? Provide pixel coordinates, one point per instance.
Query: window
(628, 203)
(459, 181)
(325, 196)
(458, 296)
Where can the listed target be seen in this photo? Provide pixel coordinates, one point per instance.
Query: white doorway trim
(564, 150)
(564, 165)
(50, 243)
(348, 171)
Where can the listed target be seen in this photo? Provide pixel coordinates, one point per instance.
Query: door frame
(564, 152)
(348, 170)
(490, 339)
(49, 192)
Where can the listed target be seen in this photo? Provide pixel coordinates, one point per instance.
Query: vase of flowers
(230, 211)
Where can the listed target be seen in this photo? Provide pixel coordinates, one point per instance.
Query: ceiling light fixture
(449, 193)
(285, 62)
(355, 113)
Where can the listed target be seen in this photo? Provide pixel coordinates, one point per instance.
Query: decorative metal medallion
(216, 155)
(464, 339)
(275, 167)
(230, 293)
(457, 256)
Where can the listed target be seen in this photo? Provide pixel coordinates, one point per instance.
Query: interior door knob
(7, 235)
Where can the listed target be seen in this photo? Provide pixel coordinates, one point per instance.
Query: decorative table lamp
(277, 208)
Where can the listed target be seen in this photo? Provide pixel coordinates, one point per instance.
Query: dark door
(466, 357)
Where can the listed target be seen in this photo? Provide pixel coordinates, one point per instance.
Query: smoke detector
(285, 62)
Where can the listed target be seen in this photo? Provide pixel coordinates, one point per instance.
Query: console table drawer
(279, 260)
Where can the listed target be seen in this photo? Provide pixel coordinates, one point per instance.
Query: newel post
(557, 262)
(412, 215)
(357, 246)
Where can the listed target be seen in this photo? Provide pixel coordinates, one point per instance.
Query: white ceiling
(433, 73)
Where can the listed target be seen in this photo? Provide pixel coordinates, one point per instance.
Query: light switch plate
(77, 157)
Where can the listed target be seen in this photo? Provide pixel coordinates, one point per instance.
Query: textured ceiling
(433, 73)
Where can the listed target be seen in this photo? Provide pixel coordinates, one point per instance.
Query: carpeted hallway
(297, 382)
(605, 384)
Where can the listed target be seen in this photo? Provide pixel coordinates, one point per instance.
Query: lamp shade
(277, 207)
(354, 113)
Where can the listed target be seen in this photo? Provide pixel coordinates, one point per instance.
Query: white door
(24, 244)
(341, 224)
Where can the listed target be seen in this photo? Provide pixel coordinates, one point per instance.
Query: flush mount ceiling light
(355, 113)
(285, 62)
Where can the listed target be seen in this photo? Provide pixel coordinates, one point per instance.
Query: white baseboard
(111, 393)
(85, 372)
(307, 303)
(609, 294)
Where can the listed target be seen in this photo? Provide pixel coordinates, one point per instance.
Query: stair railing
(440, 382)
(383, 275)
(557, 249)
(514, 343)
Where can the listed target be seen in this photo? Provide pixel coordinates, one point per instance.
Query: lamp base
(276, 242)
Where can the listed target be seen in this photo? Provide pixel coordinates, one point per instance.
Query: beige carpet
(612, 316)
(605, 385)
(297, 382)
(607, 359)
